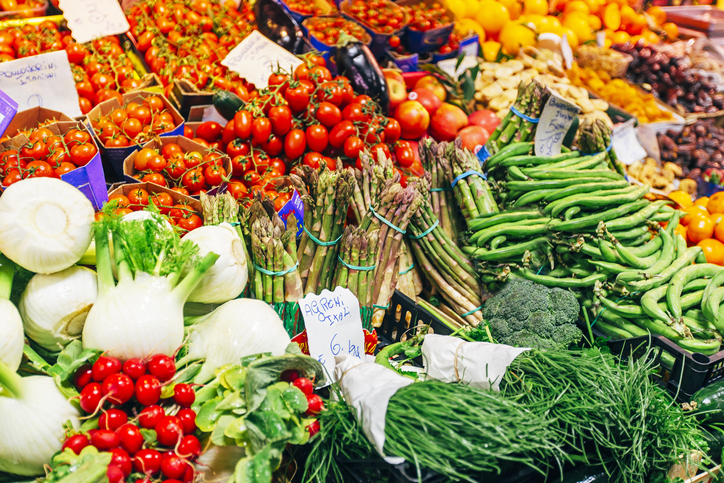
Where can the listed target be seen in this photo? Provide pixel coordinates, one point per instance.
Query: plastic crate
(405, 319)
(681, 372)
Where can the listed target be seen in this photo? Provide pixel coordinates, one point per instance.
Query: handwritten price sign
(558, 115)
(626, 144)
(92, 19)
(255, 58)
(334, 326)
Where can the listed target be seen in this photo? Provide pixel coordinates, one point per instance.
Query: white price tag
(43, 80)
(334, 326)
(626, 143)
(92, 19)
(255, 58)
(448, 66)
(566, 52)
(557, 117)
(601, 38)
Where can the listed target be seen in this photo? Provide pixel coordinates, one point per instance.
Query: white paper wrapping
(368, 387)
(480, 364)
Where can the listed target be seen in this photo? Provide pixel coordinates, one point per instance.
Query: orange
(671, 30)
(681, 230)
(715, 204)
(700, 228)
(513, 36)
(620, 37)
(716, 217)
(658, 14)
(713, 250)
(682, 198)
(539, 7)
(514, 8)
(719, 232)
(692, 213)
(612, 17)
(577, 6)
(703, 201)
(650, 36)
(492, 16)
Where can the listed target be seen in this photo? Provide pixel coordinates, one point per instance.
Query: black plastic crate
(405, 319)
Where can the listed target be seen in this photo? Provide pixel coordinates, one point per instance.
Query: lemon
(514, 36)
(537, 7)
(466, 25)
(492, 16)
(458, 7)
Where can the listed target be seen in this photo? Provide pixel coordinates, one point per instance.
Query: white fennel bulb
(54, 307)
(45, 224)
(145, 215)
(237, 329)
(143, 313)
(12, 338)
(32, 414)
(227, 278)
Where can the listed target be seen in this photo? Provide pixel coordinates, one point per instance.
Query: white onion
(227, 278)
(46, 224)
(54, 307)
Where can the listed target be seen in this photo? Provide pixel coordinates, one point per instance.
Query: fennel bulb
(12, 338)
(237, 329)
(46, 224)
(54, 307)
(227, 278)
(143, 313)
(145, 215)
(32, 414)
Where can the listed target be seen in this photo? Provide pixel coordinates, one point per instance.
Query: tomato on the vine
(340, 132)
(281, 119)
(193, 180)
(261, 129)
(317, 137)
(295, 143)
(209, 131)
(214, 175)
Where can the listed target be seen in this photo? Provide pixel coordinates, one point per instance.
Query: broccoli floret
(526, 314)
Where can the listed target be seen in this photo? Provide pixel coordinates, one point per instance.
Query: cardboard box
(380, 42)
(185, 95)
(187, 145)
(177, 198)
(89, 179)
(32, 118)
(114, 157)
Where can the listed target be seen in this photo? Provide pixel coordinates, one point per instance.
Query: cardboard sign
(334, 326)
(626, 144)
(557, 117)
(448, 66)
(43, 80)
(93, 19)
(255, 58)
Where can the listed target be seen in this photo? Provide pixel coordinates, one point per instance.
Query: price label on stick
(255, 58)
(334, 326)
(93, 19)
(557, 117)
(43, 80)
(626, 143)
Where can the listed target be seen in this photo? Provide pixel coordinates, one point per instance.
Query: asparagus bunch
(595, 136)
(326, 195)
(368, 181)
(274, 249)
(409, 282)
(472, 192)
(358, 249)
(530, 101)
(448, 270)
(442, 198)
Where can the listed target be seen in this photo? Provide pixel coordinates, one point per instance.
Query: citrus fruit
(700, 228)
(492, 16)
(682, 198)
(713, 250)
(538, 7)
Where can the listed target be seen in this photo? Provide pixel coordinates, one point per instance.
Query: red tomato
(295, 143)
(239, 165)
(261, 130)
(317, 137)
(155, 178)
(190, 223)
(214, 175)
(392, 130)
(39, 169)
(298, 98)
(274, 146)
(193, 180)
(312, 160)
(281, 119)
(405, 157)
(242, 124)
(328, 114)
(340, 132)
(237, 148)
(209, 131)
(355, 112)
(352, 146)
(237, 190)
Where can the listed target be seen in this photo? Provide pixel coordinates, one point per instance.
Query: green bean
(658, 327)
(580, 271)
(525, 160)
(682, 261)
(517, 229)
(585, 162)
(597, 199)
(699, 326)
(571, 212)
(622, 310)
(502, 253)
(513, 149)
(530, 185)
(593, 220)
(635, 219)
(607, 252)
(585, 188)
(659, 217)
(490, 219)
(649, 248)
(710, 306)
(566, 173)
(714, 283)
(612, 331)
(610, 267)
(701, 258)
(642, 263)
(698, 284)
(495, 242)
(691, 299)
(673, 222)
(629, 234)
(516, 174)
(665, 259)
(637, 242)
(684, 276)
(532, 197)
(559, 272)
(563, 282)
(708, 347)
(650, 304)
(492, 229)
(622, 323)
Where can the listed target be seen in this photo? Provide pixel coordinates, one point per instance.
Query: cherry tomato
(209, 131)
(340, 132)
(193, 180)
(295, 143)
(352, 146)
(242, 124)
(328, 114)
(298, 98)
(281, 119)
(214, 175)
(237, 147)
(261, 130)
(312, 160)
(317, 137)
(190, 223)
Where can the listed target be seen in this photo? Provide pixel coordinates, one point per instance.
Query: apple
(427, 98)
(397, 91)
(413, 118)
(431, 82)
(393, 74)
(485, 118)
(447, 121)
(473, 137)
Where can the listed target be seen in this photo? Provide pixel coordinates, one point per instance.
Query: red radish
(304, 385)
(169, 430)
(314, 404)
(121, 460)
(189, 475)
(313, 428)
(90, 397)
(119, 387)
(184, 395)
(148, 390)
(162, 366)
(104, 367)
(173, 466)
(189, 447)
(188, 420)
(114, 474)
(131, 439)
(134, 368)
(76, 443)
(112, 419)
(105, 439)
(150, 416)
(83, 377)
(147, 461)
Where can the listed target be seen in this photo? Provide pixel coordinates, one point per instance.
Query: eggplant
(277, 25)
(356, 62)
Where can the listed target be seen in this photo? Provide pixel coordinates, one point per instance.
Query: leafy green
(72, 358)
(87, 467)
(264, 372)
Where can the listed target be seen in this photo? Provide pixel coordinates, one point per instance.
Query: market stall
(317, 241)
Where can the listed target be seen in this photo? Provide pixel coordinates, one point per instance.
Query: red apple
(393, 74)
(431, 82)
(413, 118)
(473, 137)
(427, 98)
(485, 118)
(397, 91)
(447, 121)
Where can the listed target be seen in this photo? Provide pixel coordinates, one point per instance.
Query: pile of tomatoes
(101, 69)
(425, 17)
(22, 8)
(189, 39)
(382, 16)
(127, 396)
(134, 123)
(189, 173)
(307, 116)
(46, 155)
(180, 215)
(309, 7)
(328, 29)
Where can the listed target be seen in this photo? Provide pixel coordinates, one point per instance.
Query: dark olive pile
(698, 147)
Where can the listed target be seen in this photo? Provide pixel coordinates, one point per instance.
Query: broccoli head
(526, 314)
